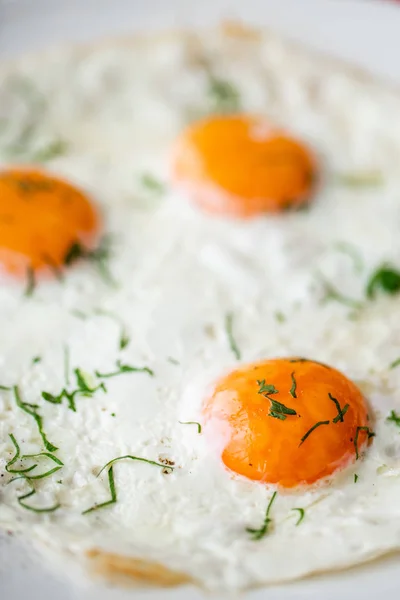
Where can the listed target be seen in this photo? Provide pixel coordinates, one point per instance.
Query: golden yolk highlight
(287, 421)
(41, 218)
(242, 166)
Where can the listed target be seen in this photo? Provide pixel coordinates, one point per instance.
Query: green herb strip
(394, 418)
(29, 495)
(124, 369)
(355, 477)
(111, 481)
(277, 409)
(5, 388)
(18, 456)
(257, 534)
(223, 95)
(301, 512)
(266, 388)
(53, 150)
(30, 282)
(280, 411)
(294, 386)
(229, 332)
(99, 257)
(360, 179)
(124, 340)
(394, 364)
(191, 423)
(341, 411)
(152, 184)
(368, 432)
(172, 360)
(83, 389)
(309, 432)
(31, 409)
(385, 279)
(113, 493)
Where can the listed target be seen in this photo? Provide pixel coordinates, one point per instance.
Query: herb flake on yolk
(41, 219)
(240, 165)
(310, 437)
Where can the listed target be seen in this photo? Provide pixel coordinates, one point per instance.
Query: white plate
(364, 32)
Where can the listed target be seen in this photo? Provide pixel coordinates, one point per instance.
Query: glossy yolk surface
(240, 165)
(248, 411)
(41, 217)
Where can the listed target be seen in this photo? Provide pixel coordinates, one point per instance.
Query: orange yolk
(241, 166)
(287, 421)
(41, 218)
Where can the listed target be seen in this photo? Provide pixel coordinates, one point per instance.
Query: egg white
(179, 273)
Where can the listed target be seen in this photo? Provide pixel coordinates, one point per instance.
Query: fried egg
(212, 400)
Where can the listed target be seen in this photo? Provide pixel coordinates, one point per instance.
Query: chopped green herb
(125, 369)
(359, 179)
(341, 411)
(394, 364)
(368, 432)
(33, 508)
(31, 409)
(30, 282)
(83, 389)
(113, 414)
(394, 418)
(355, 477)
(152, 184)
(5, 388)
(172, 360)
(280, 317)
(36, 359)
(113, 492)
(309, 432)
(18, 456)
(138, 458)
(277, 410)
(266, 388)
(280, 411)
(294, 386)
(257, 534)
(99, 256)
(224, 96)
(353, 253)
(111, 481)
(229, 332)
(301, 515)
(386, 279)
(191, 423)
(54, 149)
(123, 340)
(79, 314)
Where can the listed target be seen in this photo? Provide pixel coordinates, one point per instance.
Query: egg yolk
(41, 219)
(287, 421)
(241, 166)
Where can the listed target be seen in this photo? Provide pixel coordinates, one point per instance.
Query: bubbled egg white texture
(178, 274)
